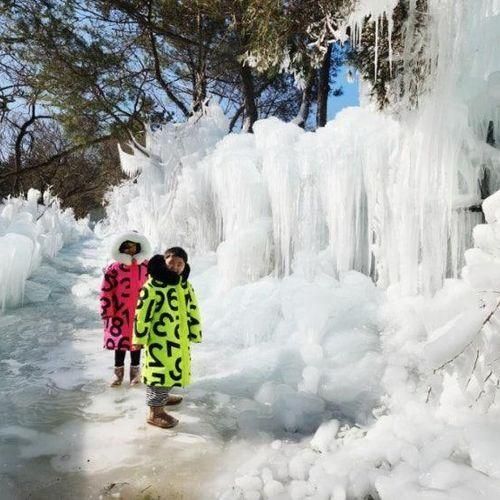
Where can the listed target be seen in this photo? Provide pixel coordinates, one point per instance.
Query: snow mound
(31, 229)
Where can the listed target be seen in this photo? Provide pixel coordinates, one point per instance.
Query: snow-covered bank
(300, 351)
(31, 229)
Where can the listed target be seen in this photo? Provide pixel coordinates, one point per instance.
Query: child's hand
(137, 346)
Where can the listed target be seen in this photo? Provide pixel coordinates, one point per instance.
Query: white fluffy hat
(134, 236)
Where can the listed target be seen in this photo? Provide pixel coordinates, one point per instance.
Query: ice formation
(434, 433)
(31, 228)
(392, 197)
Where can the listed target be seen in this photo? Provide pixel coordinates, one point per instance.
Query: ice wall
(395, 197)
(31, 229)
(442, 154)
(166, 198)
(435, 430)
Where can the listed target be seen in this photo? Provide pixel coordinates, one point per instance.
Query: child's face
(175, 264)
(130, 249)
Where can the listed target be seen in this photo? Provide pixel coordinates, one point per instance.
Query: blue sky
(350, 97)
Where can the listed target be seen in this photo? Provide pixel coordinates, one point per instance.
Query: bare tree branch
(57, 157)
(164, 85)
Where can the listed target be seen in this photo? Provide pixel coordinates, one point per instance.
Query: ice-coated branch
(473, 369)
(485, 322)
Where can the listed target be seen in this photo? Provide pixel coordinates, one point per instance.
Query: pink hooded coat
(123, 280)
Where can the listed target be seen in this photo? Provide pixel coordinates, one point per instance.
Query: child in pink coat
(123, 280)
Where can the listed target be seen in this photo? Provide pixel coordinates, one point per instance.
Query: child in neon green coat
(167, 320)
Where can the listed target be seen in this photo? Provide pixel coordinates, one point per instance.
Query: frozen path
(64, 433)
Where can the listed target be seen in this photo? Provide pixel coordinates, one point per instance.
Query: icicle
(376, 50)
(390, 27)
(410, 31)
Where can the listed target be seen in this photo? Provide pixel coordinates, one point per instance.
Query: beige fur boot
(118, 376)
(135, 375)
(159, 418)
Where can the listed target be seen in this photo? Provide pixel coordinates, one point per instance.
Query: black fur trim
(159, 271)
(185, 273)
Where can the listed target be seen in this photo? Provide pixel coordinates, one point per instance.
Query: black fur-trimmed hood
(158, 270)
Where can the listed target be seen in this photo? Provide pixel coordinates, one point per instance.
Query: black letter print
(156, 362)
(176, 376)
(172, 299)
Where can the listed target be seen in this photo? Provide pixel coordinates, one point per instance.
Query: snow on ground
(64, 432)
(267, 345)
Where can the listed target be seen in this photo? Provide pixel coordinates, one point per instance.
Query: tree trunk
(490, 134)
(200, 77)
(23, 130)
(305, 105)
(484, 182)
(251, 114)
(199, 90)
(323, 88)
(17, 165)
(159, 77)
(235, 118)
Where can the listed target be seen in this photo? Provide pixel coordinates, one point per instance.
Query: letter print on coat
(193, 313)
(119, 291)
(173, 347)
(166, 325)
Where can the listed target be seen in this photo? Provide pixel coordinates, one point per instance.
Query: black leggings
(135, 358)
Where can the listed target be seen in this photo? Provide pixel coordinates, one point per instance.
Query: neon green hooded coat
(167, 320)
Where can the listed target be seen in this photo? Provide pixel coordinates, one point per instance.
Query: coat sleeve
(144, 315)
(107, 295)
(194, 318)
